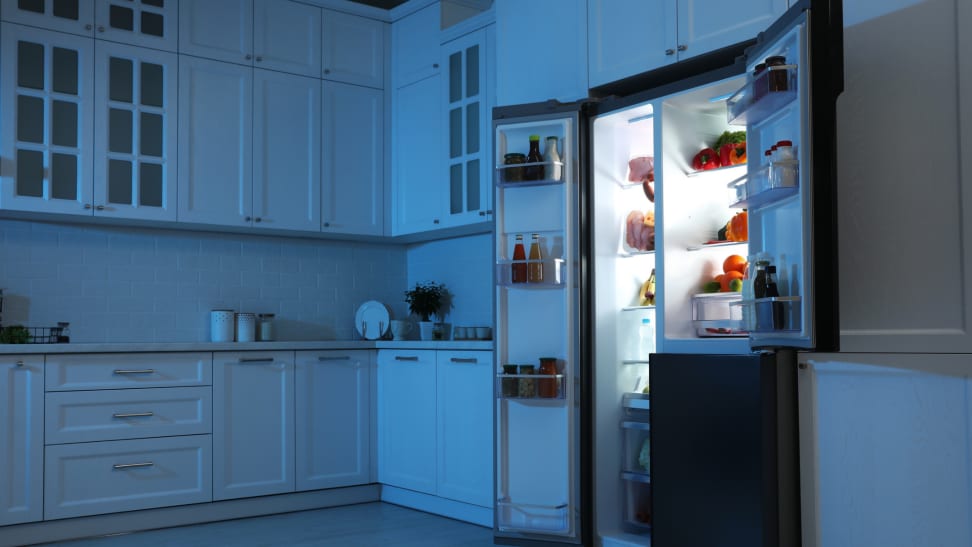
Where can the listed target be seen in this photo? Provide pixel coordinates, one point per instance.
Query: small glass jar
(547, 388)
(514, 174)
(759, 81)
(527, 387)
(265, 330)
(778, 79)
(509, 386)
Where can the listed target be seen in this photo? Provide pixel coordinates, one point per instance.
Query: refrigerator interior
(537, 428)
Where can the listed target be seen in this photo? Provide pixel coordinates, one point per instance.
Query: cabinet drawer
(111, 476)
(119, 371)
(84, 416)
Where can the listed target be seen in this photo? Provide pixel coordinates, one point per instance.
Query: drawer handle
(336, 358)
(133, 415)
(256, 360)
(131, 465)
(134, 371)
(405, 358)
(463, 359)
(19, 364)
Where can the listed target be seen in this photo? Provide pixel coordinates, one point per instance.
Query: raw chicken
(640, 230)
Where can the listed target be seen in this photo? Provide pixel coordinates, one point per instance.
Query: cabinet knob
(682, 47)
(19, 364)
(87, 206)
(257, 219)
(99, 207)
(327, 224)
(436, 221)
(669, 51)
(248, 57)
(327, 71)
(89, 26)
(247, 219)
(101, 28)
(435, 65)
(259, 58)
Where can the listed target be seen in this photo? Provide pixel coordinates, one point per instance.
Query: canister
(246, 327)
(221, 325)
(266, 327)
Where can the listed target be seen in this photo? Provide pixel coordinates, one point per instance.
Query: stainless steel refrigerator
(675, 423)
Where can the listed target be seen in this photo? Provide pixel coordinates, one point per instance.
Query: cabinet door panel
(45, 137)
(76, 17)
(418, 166)
(352, 197)
(253, 424)
(135, 181)
(415, 46)
(217, 29)
(148, 23)
(286, 145)
(406, 419)
(215, 138)
(705, 25)
(333, 401)
(21, 428)
(354, 49)
(286, 37)
(627, 37)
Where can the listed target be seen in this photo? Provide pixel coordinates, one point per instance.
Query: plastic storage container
(714, 314)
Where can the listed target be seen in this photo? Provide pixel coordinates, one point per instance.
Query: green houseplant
(424, 301)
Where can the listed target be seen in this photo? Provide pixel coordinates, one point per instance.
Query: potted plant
(424, 301)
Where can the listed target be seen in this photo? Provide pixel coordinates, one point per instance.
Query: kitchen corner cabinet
(145, 23)
(418, 175)
(333, 418)
(406, 419)
(253, 424)
(353, 183)
(22, 431)
(230, 171)
(415, 46)
(630, 36)
(272, 34)
(353, 49)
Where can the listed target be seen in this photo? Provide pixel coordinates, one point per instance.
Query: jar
(527, 387)
(221, 325)
(548, 387)
(246, 327)
(778, 79)
(759, 81)
(509, 386)
(266, 327)
(513, 174)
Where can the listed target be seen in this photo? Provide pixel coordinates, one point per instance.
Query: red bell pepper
(706, 159)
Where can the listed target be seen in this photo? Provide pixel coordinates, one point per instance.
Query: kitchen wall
(153, 285)
(465, 265)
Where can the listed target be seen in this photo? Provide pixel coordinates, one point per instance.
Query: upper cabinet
(353, 49)
(149, 23)
(274, 34)
(627, 37)
(415, 46)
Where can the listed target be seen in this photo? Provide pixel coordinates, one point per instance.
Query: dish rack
(45, 335)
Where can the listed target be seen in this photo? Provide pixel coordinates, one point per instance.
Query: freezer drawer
(119, 371)
(84, 416)
(112, 476)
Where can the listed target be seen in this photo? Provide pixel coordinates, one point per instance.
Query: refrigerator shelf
(505, 172)
(709, 244)
(529, 386)
(635, 476)
(768, 184)
(756, 102)
(637, 401)
(531, 517)
(637, 308)
(626, 250)
(553, 274)
(723, 169)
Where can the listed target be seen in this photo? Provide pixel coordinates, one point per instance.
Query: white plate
(372, 320)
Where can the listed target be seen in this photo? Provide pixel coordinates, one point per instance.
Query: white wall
(152, 285)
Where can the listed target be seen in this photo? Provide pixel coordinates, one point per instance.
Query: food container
(717, 314)
(266, 327)
(221, 325)
(548, 387)
(509, 386)
(512, 171)
(527, 387)
(246, 327)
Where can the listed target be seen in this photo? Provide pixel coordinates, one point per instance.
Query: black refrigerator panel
(724, 463)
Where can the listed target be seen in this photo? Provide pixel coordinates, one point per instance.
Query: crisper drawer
(107, 415)
(126, 370)
(112, 476)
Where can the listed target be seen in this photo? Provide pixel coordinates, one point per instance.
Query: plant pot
(426, 330)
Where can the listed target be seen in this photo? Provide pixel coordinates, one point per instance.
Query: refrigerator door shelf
(510, 176)
(773, 314)
(530, 387)
(637, 503)
(636, 401)
(725, 169)
(759, 100)
(553, 274)
(765, 186)
(532, 518)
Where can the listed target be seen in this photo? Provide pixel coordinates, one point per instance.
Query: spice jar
(514, 174)
(265, 331)
(509, 386)
(778, 79)
(548, 387)
(527, 387)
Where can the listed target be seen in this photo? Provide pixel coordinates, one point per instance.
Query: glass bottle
(772, 290)
(535, 271)
(548, 387)
(552, 157)
(646, 339)
(519, 267)
(527, 385)
(536, 171)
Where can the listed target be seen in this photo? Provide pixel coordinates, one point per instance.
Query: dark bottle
(534, 172)
(772, 290)
(778, 79)
(759, 280)
(519, 268)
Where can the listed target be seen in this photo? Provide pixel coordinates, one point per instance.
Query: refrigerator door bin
(510, 175)
(637, 504)
(636, 453)
(528, 517)
(530, 386)
(773, 314)
(553, 274)
(768, 184)
(636, 403)
(756, 101)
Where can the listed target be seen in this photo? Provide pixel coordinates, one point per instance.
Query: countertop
(133, 347)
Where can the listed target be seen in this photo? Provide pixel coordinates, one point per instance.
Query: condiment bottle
(759, 280)
(527, 386)
(509, 385)
(772, 290)
(778, 79)
(784, 151)
(552, 157)
(548, 387)
(535, 271)
(519, 267)
(534, 172)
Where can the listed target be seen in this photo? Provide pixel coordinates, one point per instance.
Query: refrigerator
(674, 421)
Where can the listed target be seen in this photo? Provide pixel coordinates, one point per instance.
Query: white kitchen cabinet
(135, 132)
(464, 426)
(253, 424)
(418, 176)
(22, 431)
(333, 418)
(415, 46)
(353, 49)
(273, 34)
(467, 97)
(407, 419)
(45, 134)
(543, 46)
(628, 37)
(136, 22)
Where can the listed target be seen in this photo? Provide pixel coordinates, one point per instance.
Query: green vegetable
(711, 286)
(730, 137)
(15, 334)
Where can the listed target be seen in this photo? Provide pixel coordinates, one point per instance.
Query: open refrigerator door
(538, 395)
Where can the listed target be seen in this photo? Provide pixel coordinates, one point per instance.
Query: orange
(727, 277)
(734, 263)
